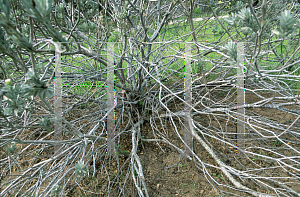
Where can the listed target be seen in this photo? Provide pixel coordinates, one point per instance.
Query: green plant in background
(14, 97)
(36, 86)
(40, 10)
(286, 29)
(126, 152)
(82, 106)
(80, 169)
(231, 48)
(217, 31)
(286, 25)
(120, 151)
(56, 190)
(87, 26)
(45, 122)
(4, 44)
(245, 20)
(11, 149)
(5, 7)
(181, 165)
(135, 173)
(37, 151)
(277, 142)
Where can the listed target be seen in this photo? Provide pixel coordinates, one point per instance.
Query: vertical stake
(110, 98)
(57, 98)
(240, 98)
(188, 137)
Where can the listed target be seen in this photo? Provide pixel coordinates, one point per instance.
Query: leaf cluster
(14, 97)
(286, 25)
(243, 19)
(80, 169)
(16, 93)
(45, 122)
(38, 9)
(35, 86)
(231, 49)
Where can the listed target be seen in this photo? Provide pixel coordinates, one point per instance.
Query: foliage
(38, 9)
(14, 98)
(245, 20)
(11, 149)
(81, 169)
(35, 86)
(56, 190)
(16, 93)
(286, 24)
(231, 48)
(5, 7)
(45, 122)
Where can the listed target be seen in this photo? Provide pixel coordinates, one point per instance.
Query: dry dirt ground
(184, 179)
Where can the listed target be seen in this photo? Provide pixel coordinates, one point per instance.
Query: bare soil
(184, 179)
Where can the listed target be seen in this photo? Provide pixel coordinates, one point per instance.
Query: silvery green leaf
(16, 112)
(32, 13)
(42, 94)
(56, 189)
(3, 19)
(44, 7)
(231, 19)
(5, 7)
(231, 47)
(22, 42)
(30, 9)
(11, 149)
(245, 14)
(30, 74)
(276, 32)
(286, 24)
(28, 3)
(239, 5)
(7, 111)
(49, 92)
(246, 30)
(80, 168)
(25, 39)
